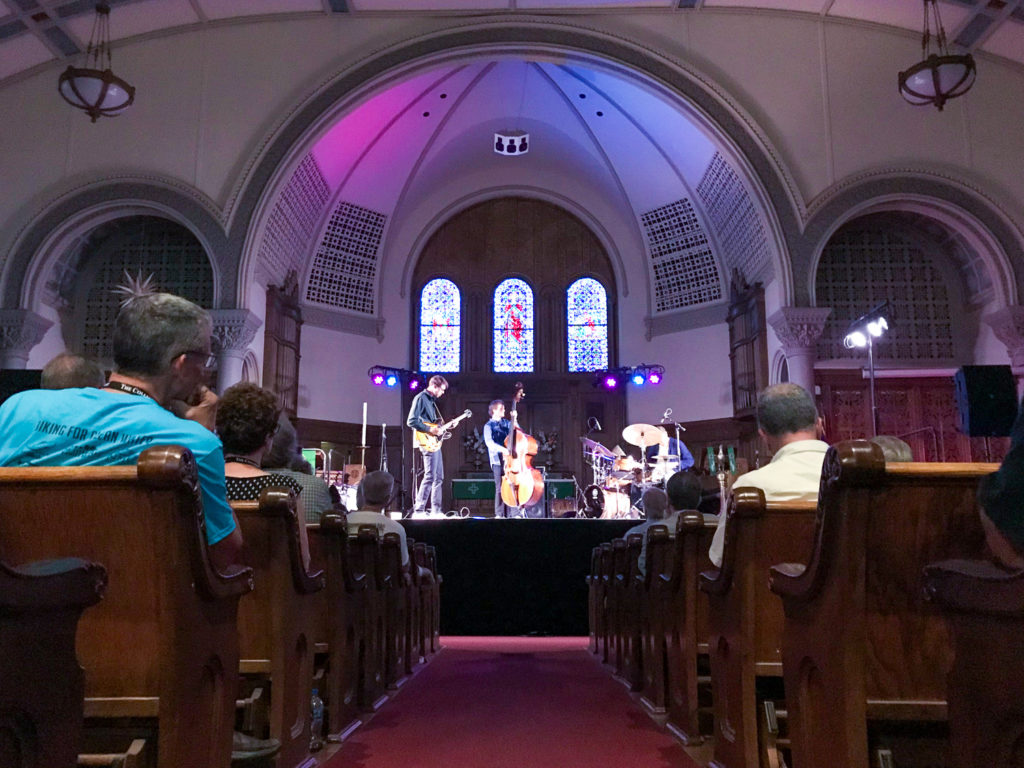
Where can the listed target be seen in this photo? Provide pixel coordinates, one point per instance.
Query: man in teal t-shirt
(161, 349)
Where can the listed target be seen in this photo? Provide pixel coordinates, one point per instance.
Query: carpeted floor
(510, 702)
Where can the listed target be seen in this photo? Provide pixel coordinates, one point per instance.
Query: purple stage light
(655, 378)
(378, 379)
(414, 384)
(610, 382)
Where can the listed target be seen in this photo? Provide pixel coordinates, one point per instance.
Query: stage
(514, 577)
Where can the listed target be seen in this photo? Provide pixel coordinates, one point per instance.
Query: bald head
(69, 370)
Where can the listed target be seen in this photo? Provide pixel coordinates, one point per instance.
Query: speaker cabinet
(986, 400)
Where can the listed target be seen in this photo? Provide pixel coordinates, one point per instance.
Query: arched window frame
(452, 320)
(577, 330)
(523, 325)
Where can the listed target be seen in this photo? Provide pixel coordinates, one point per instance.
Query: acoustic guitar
(430, 443)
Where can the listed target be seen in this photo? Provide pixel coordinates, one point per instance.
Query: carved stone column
(799, 328)
(1008, 326)
(20, 331)
(233, 332)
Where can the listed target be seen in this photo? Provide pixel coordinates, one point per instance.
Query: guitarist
(495, 432)
(424, 416)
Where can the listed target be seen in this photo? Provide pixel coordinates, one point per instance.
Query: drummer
(673, 449)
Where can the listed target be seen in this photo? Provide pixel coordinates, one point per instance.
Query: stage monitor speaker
(986, 400)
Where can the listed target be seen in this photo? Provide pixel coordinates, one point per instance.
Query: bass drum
(616, 505)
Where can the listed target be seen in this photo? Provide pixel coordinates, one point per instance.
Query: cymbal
(643, 435)
(595, 448)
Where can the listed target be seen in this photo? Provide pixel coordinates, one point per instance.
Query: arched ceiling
(35, 33)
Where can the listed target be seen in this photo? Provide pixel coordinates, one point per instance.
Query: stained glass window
(440, 327)
(587, 315)
(513, 326)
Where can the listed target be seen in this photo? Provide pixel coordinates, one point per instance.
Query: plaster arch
(958, 208)
(732, 128)
(55, 230)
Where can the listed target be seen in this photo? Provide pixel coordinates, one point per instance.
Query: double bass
(521, 483)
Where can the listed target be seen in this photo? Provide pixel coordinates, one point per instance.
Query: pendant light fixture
(94, 88)
(940, 75)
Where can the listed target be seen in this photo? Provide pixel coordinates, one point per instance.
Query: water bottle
(316, 725)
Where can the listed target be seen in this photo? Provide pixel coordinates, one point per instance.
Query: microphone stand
(383, 448)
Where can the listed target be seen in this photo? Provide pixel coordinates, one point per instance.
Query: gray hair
(153, 329)
(786, 408)
(68, 370)
(655, 504)
(375, 489)
(282, 449)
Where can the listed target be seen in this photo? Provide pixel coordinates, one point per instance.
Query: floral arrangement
(547, 441)
(473, 443)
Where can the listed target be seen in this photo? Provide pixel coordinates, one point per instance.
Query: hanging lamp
(940, 75)
(94, 88)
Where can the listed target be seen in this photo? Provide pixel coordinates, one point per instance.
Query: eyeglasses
(206, 359)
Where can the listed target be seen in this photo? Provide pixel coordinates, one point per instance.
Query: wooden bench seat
(276, 621)
(984, 607)
(164, 641)
(41, 683)
(744, 618)
(859, 641)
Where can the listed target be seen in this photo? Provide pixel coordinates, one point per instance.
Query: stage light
(861, 333)
(378, 379)
(610, 382)
(654, 378)
(638, 378)
(855, 339)
(391, 380)
(414, 383)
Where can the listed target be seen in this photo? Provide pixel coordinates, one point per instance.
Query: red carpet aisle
(506, 702)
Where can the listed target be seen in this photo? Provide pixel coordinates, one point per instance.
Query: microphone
(668, 412)
(594, 424)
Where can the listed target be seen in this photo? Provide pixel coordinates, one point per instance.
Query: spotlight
(414, 383)
(654, 378)
(377, 374)
(610, 382)
(855, 339)
(638, 378)
(391, 380)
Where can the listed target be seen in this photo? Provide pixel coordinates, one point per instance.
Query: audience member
(161, 346)
(284, 459)
(68, 370)
(893, 448)
(1001, 496)
(788, 422)
(656, 513)
(374, 494)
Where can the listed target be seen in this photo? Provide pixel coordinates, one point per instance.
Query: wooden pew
(368, 615)
(595, 608)
(744, 619)
(336, 624)
(984, 607)
(435, 599)
(687, 630)
(616, 605)
(426, 587)
(395, 584)
(41, 683)
(163, 644)
(859, 641)
(632, 615)
(657, 608)
(606, 642)
(276, 622)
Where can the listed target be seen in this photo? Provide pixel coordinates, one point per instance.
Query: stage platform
(514, 577)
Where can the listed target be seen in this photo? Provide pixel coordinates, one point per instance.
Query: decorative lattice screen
(141, 245)
(293, 220)
(344, 269)
(862, 267)
(685, 272)
(741, 233)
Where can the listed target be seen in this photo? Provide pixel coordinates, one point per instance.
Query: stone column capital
(20, 331)
(233, 330)
(799, 328)
(1008, 325)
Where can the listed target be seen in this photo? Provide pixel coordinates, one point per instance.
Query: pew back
(164, 641)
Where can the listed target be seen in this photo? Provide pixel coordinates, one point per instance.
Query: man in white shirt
(788, 421)
(375, 492)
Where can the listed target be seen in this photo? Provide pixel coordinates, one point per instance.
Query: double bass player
(495, 433)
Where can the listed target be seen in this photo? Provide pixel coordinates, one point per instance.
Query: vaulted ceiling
(34, 33)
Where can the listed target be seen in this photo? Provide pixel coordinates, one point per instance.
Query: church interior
(637, 214)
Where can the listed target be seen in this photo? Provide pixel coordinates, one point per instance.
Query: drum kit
(619, 479)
